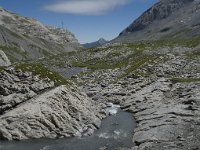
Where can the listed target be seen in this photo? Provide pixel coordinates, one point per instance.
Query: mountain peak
(100, 42)
(159, 11)
(163, 19)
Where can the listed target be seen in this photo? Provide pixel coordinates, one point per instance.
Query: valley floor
(163, 96)
(159, 85)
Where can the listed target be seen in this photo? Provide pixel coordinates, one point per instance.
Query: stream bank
(115, 131)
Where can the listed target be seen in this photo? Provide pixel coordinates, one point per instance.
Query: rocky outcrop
(160, 11)
(4, 61)
(32, 107)
(164, 111)
(18, 87)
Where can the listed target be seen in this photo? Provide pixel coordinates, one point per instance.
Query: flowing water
(116, 131)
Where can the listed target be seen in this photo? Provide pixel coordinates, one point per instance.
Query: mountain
(100, 42)
(23, 38)
(165, 19)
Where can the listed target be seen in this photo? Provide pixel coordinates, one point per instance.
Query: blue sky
(89, 20)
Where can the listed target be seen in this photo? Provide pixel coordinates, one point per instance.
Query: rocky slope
(33, 107)
(158, 82)
(23, 38)
(166, 19)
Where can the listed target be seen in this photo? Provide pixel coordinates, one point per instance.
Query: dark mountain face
(166, 17)
(100, 42)
(159, 11)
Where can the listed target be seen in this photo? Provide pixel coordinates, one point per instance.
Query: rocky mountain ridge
(23, 38)
(31, 27)
(165, 19)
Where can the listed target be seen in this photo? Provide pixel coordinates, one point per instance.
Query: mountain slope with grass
(23, 38)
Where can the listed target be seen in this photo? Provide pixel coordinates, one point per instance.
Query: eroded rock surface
(32, 107)
(17, 87)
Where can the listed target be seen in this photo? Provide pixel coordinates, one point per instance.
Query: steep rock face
(32, 107)
(26, 38)
(159, 11)
(167, 18)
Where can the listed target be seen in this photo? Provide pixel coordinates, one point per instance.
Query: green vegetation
(95, 64)
(15, 35)
(1, 68)
(119, 56)
(172, 42)
(107, 62)
(180, 32)
(141, 45)
(193, 54)
(165, 29)
(7, 48)
(43, 72)
(104, 49)
(26, 35)
(185, 80)
(128, 57)
(13, 51)
(137, 64)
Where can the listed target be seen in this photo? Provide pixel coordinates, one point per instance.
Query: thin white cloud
(85, 7)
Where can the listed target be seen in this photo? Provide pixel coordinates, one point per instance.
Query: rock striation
(31, 107)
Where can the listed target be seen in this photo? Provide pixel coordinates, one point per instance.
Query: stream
(116, 131)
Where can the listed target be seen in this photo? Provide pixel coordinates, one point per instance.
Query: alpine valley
(139, 91)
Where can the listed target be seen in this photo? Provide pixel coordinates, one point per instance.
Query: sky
(88, 20)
